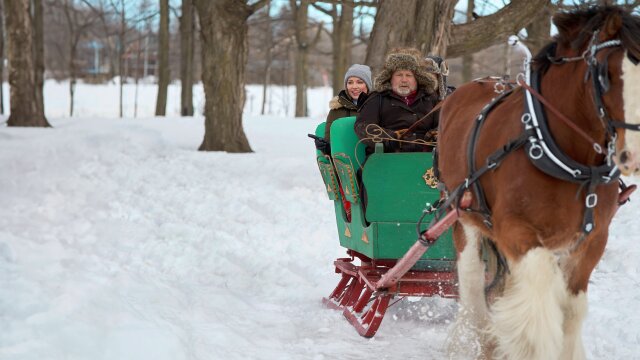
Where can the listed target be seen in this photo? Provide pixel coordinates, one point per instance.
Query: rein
(561, 116)
(415, 124)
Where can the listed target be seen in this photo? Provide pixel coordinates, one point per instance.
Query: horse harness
(541, 148)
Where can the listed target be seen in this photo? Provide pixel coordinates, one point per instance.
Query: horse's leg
(575, 311)
(467, 337)
(527, 320)
(579, 266)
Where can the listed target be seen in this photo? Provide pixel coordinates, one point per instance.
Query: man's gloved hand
(431, 135)
(321, 144)
(400, 133)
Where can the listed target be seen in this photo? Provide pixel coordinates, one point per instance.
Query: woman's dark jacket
(341, 106)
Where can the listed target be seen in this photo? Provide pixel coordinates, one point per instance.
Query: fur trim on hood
(335, 103)
(342, 100)
(408, 59)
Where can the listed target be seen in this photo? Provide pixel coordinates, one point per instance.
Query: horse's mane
(576, 28)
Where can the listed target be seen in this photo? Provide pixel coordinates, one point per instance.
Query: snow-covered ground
(119, 241)
(103, 100)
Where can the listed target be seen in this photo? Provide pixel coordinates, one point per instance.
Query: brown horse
(545, 183)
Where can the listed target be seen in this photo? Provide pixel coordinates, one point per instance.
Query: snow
(119, 241)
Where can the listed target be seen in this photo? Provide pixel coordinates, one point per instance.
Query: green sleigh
(399, 187)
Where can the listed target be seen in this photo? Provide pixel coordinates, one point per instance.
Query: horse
(543, 162)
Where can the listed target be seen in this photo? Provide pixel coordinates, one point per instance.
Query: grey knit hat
(360, 71)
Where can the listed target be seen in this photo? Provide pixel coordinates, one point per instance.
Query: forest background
(226, 44)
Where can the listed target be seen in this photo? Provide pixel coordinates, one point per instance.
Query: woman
(357, 81)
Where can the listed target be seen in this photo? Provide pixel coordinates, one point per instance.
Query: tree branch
(492, 29)
(258, 5)
(372, 3)
(317, 36)
(321, 9)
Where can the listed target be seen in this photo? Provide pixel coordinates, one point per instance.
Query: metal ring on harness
(597, 148)
(591, 200)
(535, 151)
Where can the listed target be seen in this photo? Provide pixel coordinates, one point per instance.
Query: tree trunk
(429, 28)
(434, 18)
(302, 52)
(538, 32)
(467, 59)
(163, 65)
(186, 58)
(72, 85)
(267, 57)
(421, 24)
(301, 80)
(342, 37)
(73, 45)
(223, 30)
(38, 26)
(138, 57)
(394, 26)
(23, 107)
(1, 58)
(121, 39)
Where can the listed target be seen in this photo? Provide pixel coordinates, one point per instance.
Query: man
(405, 91)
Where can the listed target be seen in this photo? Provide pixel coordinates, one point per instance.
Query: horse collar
(547, 156)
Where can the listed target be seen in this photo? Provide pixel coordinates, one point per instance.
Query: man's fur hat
(408, 59)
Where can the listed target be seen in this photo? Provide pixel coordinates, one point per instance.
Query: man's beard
(403, 91)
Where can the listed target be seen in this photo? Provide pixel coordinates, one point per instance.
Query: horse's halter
(599, 72)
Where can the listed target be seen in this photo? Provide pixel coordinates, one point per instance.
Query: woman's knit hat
(360, 71)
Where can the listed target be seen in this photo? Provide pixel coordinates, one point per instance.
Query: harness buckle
(535, 151)
(591, 200)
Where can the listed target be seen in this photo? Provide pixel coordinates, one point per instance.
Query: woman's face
(356, 86)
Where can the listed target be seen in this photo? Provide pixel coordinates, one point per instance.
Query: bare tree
(301, 20)
(163, 66)
(538, 32)
(223, 30)
(467, 59)
(119, 9)
(429, 27)
(341, 40)
(186, 58)
(121, 12)
(1, 58)
(77, 22)
(495, 28)
(21, 54)
(422, 24)
(106, 33)
(38, 55)
(268, 46)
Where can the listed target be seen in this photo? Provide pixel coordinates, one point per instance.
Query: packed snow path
(119, 241)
